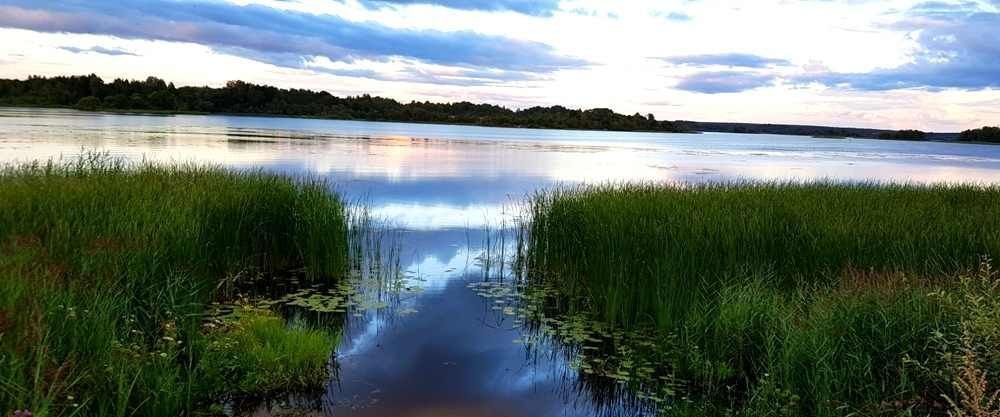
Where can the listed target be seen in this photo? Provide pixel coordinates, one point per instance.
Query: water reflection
(455, 363)
(515, 160)
(431, 176)
(440, 351)
(453, 355)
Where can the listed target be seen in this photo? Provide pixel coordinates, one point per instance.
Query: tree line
(983, 134)
(90, 92)
(906, 134)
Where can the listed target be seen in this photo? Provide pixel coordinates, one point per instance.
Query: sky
(930, 65)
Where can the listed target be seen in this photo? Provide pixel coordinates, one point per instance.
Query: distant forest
(238, 97)
(815, 131)
(90, 92)
(984, 134)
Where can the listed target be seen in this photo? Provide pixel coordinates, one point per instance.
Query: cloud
(959, 47)
(674, 16)
(98, 50)
(678, 17)
(724, 82)
(582, 11)
(279, 37)
(528, 7)
(437, 76)
(937, 7)
(728, 60)
(660, 103)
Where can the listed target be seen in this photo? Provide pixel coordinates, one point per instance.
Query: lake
(444, 350)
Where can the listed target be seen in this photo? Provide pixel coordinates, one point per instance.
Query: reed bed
(780, 298)
(107, 269)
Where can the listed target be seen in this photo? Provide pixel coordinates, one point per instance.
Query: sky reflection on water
(432, 176)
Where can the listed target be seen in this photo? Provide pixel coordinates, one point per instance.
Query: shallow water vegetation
(254, 352)
(107, 269)
(777, 299)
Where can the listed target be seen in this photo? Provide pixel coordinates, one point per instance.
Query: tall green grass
(644, 253)
(804, 299)
(106, 269)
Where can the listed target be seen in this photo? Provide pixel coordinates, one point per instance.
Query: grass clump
(255, 352)
(782, 299)
(106, 269)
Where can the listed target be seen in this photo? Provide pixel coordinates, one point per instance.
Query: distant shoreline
(155, 96)
(932, 137)
(138, 112)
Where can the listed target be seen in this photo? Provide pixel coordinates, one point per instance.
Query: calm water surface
(450, 354)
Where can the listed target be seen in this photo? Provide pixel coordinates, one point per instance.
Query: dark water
(441, 350)
(453, 356)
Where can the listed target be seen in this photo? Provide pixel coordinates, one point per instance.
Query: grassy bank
(815, 299)
(107, 269)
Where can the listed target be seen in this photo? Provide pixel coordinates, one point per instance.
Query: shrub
(89, 103)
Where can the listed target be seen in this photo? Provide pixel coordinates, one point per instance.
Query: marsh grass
(777, 299)
(107, 267)
(255, 352)
(648, 253)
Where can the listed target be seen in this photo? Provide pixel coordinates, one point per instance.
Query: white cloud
(620, 40)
